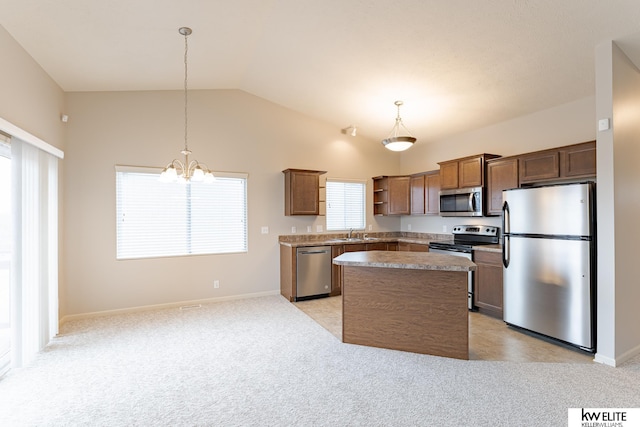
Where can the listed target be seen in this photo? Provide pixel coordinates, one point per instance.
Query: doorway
(5, 261)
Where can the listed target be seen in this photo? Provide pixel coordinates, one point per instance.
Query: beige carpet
(262, 362)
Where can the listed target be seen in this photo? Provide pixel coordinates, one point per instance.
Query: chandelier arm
(179, 163)
(203, 166)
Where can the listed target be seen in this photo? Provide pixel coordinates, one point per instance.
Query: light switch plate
(264, 230)
(603, 124)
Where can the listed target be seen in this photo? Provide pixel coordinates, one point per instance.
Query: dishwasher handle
(313, 252)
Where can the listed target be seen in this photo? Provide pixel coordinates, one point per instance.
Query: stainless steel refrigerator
(549, 261)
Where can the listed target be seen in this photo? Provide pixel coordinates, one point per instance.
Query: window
(159, 219)
(345, 204)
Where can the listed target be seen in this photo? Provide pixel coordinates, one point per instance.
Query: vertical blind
(34, 268)
(160, 219)
(345, 204)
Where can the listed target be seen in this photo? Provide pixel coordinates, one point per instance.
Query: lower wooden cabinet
(413, 247)
(336, 270)
(488, 293)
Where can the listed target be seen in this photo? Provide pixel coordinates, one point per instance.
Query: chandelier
(395, 141)
(189, 170)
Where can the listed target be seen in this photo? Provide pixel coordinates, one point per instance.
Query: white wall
(618, 98)
(229, 130)
(32, 101)
(566, 124)
(29, 98)
(626, 137)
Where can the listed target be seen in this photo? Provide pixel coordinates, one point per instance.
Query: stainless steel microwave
(462, 202)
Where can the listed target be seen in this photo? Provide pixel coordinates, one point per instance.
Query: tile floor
(489, 338)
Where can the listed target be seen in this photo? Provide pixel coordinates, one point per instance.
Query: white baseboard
(618, 360)
(604, 360)
(164, 306)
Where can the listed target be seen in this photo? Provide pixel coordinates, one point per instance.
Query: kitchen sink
(354, 239)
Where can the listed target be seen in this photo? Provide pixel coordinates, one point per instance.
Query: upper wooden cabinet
(539, 166)
(302, 191)
(570, 162)
(502, 174)
(391, 195)
(424, 193)
(464, 172)
(578, 161)
(449, 177)
(432, 197)
(560, 164)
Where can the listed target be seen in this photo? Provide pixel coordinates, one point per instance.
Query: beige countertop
(405, 260)
(302, 240)
(488, 248)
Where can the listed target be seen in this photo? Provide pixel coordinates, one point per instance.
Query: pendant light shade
(396, 141)
(187, 171)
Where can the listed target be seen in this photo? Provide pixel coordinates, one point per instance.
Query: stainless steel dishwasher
(313, 277)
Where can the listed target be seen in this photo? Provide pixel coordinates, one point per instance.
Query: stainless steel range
(465, 237)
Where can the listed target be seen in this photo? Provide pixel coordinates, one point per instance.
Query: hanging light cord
(189, 170)
(186, 48)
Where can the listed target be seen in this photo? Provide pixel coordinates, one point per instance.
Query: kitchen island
(409, 301)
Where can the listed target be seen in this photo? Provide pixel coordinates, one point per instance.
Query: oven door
(461, 202)
(464, 254)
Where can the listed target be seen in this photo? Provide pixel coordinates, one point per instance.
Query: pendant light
(187, 171)
(395, 141)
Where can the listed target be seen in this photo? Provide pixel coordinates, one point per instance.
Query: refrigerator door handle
(505, 251)
(505, 234)
(505, 218)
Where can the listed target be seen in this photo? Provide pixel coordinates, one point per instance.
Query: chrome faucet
(350, 231)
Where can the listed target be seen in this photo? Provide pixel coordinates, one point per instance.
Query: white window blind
(345, 204)
(160, 219)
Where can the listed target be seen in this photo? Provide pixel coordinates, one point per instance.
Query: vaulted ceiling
(456, 64)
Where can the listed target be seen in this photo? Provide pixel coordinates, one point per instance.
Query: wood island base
(421, 311)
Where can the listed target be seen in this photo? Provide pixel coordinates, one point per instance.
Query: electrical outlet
(293, 230)
(370, 227)
(408, 227)
(444, 228)
(216, 284)
(265, 230)
(319, 228)
(309, 229)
